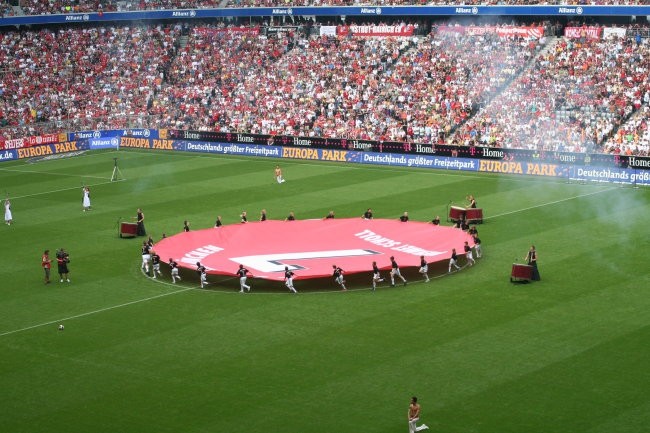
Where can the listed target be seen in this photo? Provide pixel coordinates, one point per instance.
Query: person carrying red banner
(288, 279)
(242, 272)
(376, 276)
(395, 272)
(338, 277)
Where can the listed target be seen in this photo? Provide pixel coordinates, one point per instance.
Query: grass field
(567, 354)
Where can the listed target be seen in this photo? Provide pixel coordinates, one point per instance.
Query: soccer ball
(61, 327)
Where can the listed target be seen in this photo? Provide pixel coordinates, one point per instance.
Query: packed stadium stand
(38, 7)
(519, 86)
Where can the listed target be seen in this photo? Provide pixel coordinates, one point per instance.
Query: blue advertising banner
(144, 133)
(104, 143)
(557, 10)
(611, 175)
(8, 155)
(422, 161)
(229, 148)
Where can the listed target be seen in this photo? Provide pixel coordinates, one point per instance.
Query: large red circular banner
(310, 247)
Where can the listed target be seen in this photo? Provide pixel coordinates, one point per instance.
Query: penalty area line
(76, 316)
(550, 203)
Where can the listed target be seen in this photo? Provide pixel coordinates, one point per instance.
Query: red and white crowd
(454, 85)
(42, 7)
(577, 94)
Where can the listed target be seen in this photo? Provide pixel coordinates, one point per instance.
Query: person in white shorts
(288, 279)
(243, 272)
(414, 416)
(468, 254)
(453, 260)
(424, 269)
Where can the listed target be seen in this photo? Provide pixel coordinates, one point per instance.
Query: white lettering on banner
(244, 138)
(301, 141)
(199, 254)
(273, 262)
(604, 174)
(390, 159)
(205, 147)
(376, 239)
(15, 143)
(263, 151)
(491, 153)
(361, 145)
(420, 148)
(637, 162)
(565, 158)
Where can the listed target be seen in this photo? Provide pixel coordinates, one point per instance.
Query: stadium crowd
(46, 7)
(447, 86)
(574, 97)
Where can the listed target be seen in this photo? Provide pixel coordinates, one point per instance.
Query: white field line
(551, 202)
(52, 173)
(76, 316)
(65, 189)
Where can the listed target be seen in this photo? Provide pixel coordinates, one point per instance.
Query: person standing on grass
(376, 276)
(424, 268)
(140, 221)
(186, 226)
(8, 216)
(218, 223)
(414, 416)
(46, 262)
(338, 277)
(288, 279)
(242, 272)
(62, 260)
(263, 215)
(394, 271)
(531, 259)
(85, 201)
(146, 256)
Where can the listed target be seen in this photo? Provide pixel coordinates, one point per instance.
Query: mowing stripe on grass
(66, 189)
(52, 173)
(76, 316)
(550, 203)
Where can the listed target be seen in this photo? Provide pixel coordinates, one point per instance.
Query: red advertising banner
(583, 32)
(18, 143)
(397, 30)
(45, 139)
(15, 143)
(533, 32)
(205, 31)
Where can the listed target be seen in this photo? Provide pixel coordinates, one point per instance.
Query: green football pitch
(567, 354)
